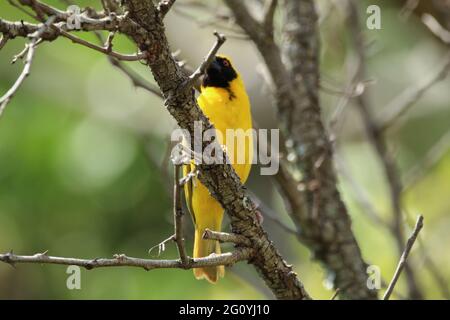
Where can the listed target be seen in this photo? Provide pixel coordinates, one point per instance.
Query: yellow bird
(225, 102)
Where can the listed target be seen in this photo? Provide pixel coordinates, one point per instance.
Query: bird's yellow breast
(230, 109)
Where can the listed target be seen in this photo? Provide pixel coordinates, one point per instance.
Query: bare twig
(401, 104)
(433, 155)
(122, 260)
(217, 20)
(335, 294)
(269, 14)
(226, 237)
(360, 194)
(404, 257)
(435, 27)
(178, 216)
(135, 79)
(193, 78)
(408, 8)
(107, 51)
(30, 49)
(42, 8)
(23, 29)
(14, 4)
(3, 40)
(162, 245)
(354, 88)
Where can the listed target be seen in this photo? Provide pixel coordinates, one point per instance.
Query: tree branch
(226, 237)
(193, 78)
(3, 40)
(269, 14)
(30, 49)
(221, 180)
(431, 158)
(401, 104)
(135, 79)
(307, 180)
(178, 215)
(42, 8)
(23, 29)
(121, 260)
(404, 257)
(105, 50)
(164, 7)
(376, 138)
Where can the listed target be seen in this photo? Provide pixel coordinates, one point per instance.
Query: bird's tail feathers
(203, 248)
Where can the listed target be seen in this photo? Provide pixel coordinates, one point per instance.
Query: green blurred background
(82, 171)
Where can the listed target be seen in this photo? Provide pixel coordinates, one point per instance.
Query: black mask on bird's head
(219, 73)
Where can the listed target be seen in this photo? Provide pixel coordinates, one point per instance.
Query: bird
(224, 100)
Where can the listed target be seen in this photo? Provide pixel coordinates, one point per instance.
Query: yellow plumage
(227, 108)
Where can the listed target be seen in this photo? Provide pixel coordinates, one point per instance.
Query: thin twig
(178, 216)
(269, 14)
(435, 27)
(162, 245)
(226, 237)
(433, 155)
(20, 8)
(135, 79)
(42, 8)
(218, 21)
(404, 257)
(206, 62)
(116, 55)
(121, 260)
(30, 49)
(3, 40)
(335, 294)
(401, 104)
(359, 193)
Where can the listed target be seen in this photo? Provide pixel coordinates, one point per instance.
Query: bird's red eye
(225, 63)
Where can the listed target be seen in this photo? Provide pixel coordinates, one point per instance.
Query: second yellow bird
(225, 102)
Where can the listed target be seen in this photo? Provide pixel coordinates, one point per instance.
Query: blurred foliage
(81, 169)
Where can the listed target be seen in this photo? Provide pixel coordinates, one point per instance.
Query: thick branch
(164, 7)
(221, 180)
(308, 182)
(23, 29)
